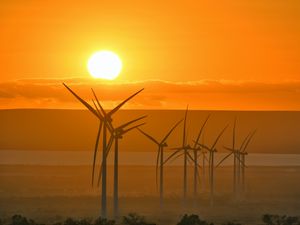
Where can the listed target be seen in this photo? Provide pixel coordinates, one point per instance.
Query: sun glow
(105, 65)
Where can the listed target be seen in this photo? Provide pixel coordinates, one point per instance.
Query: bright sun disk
(105, 65)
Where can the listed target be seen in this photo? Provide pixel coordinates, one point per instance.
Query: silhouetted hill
(35, 129)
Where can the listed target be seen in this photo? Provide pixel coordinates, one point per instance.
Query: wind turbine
(235, 153)
(118, 134)
(234, 159)
(212, 150)
(105, 123)
(183, 150)
(238, 162)
(243, 159)
(196, 150)
(160, 158)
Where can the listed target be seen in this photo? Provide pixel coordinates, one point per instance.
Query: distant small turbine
(212, 150)
(239, 155)
(183, 150)
(160, 158)
(197, 149)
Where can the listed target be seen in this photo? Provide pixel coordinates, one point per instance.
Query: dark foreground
(135, 219)
(51, 194)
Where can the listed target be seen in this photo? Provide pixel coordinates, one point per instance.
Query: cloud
(203, 94)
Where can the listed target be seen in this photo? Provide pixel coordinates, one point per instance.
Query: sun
(105, 65)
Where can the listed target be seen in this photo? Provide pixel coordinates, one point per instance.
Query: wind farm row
(197, 153)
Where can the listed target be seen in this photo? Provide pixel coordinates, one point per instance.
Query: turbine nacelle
(107, 119)
(187, 147)
(163, 145)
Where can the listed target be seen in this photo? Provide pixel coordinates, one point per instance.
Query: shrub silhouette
(231, 223)
(269, 219)
(19, 220)
(84, 222)
(135, 219)
(192, 220)
(103, 221)
(70, 221)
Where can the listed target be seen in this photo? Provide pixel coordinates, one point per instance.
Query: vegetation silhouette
(192, 220)
(135, 219)
(280, 220)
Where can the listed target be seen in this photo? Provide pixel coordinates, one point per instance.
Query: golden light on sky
(105, 65)
(231, 55)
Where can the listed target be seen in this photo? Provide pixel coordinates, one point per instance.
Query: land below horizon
(52, 193)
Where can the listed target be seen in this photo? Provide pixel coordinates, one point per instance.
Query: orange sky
(250, 48)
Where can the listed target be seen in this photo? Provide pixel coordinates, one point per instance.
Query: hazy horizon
(75, 130)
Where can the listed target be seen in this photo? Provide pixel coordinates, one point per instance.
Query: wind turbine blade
(96, 107)
(217, 139)
(204, 146)
(108, 124)
(173, 154)
(87, 105)
(254, 132)
(189, 161)
(244, 141)
(108, 147)
(100, 175)
(233, 133)
(243, 164)
(95, 151)
(229, 149)
(184, 126)
(110, 142)
(205, 157)
(178, 148)
(122, 103)
(148, 136)
(176, 157)
(224, 159)
(196, 143)
(156, 166)
(168, 134)
(200, 132)
(130, 122)
(191, 158)
(98, 102)
(131, 128)
(199, 166)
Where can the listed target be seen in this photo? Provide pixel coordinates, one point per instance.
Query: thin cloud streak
(158, 94)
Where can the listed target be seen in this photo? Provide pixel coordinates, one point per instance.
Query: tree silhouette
(135, 219)
(192, 220)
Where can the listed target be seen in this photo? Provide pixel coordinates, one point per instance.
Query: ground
(52, 193)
